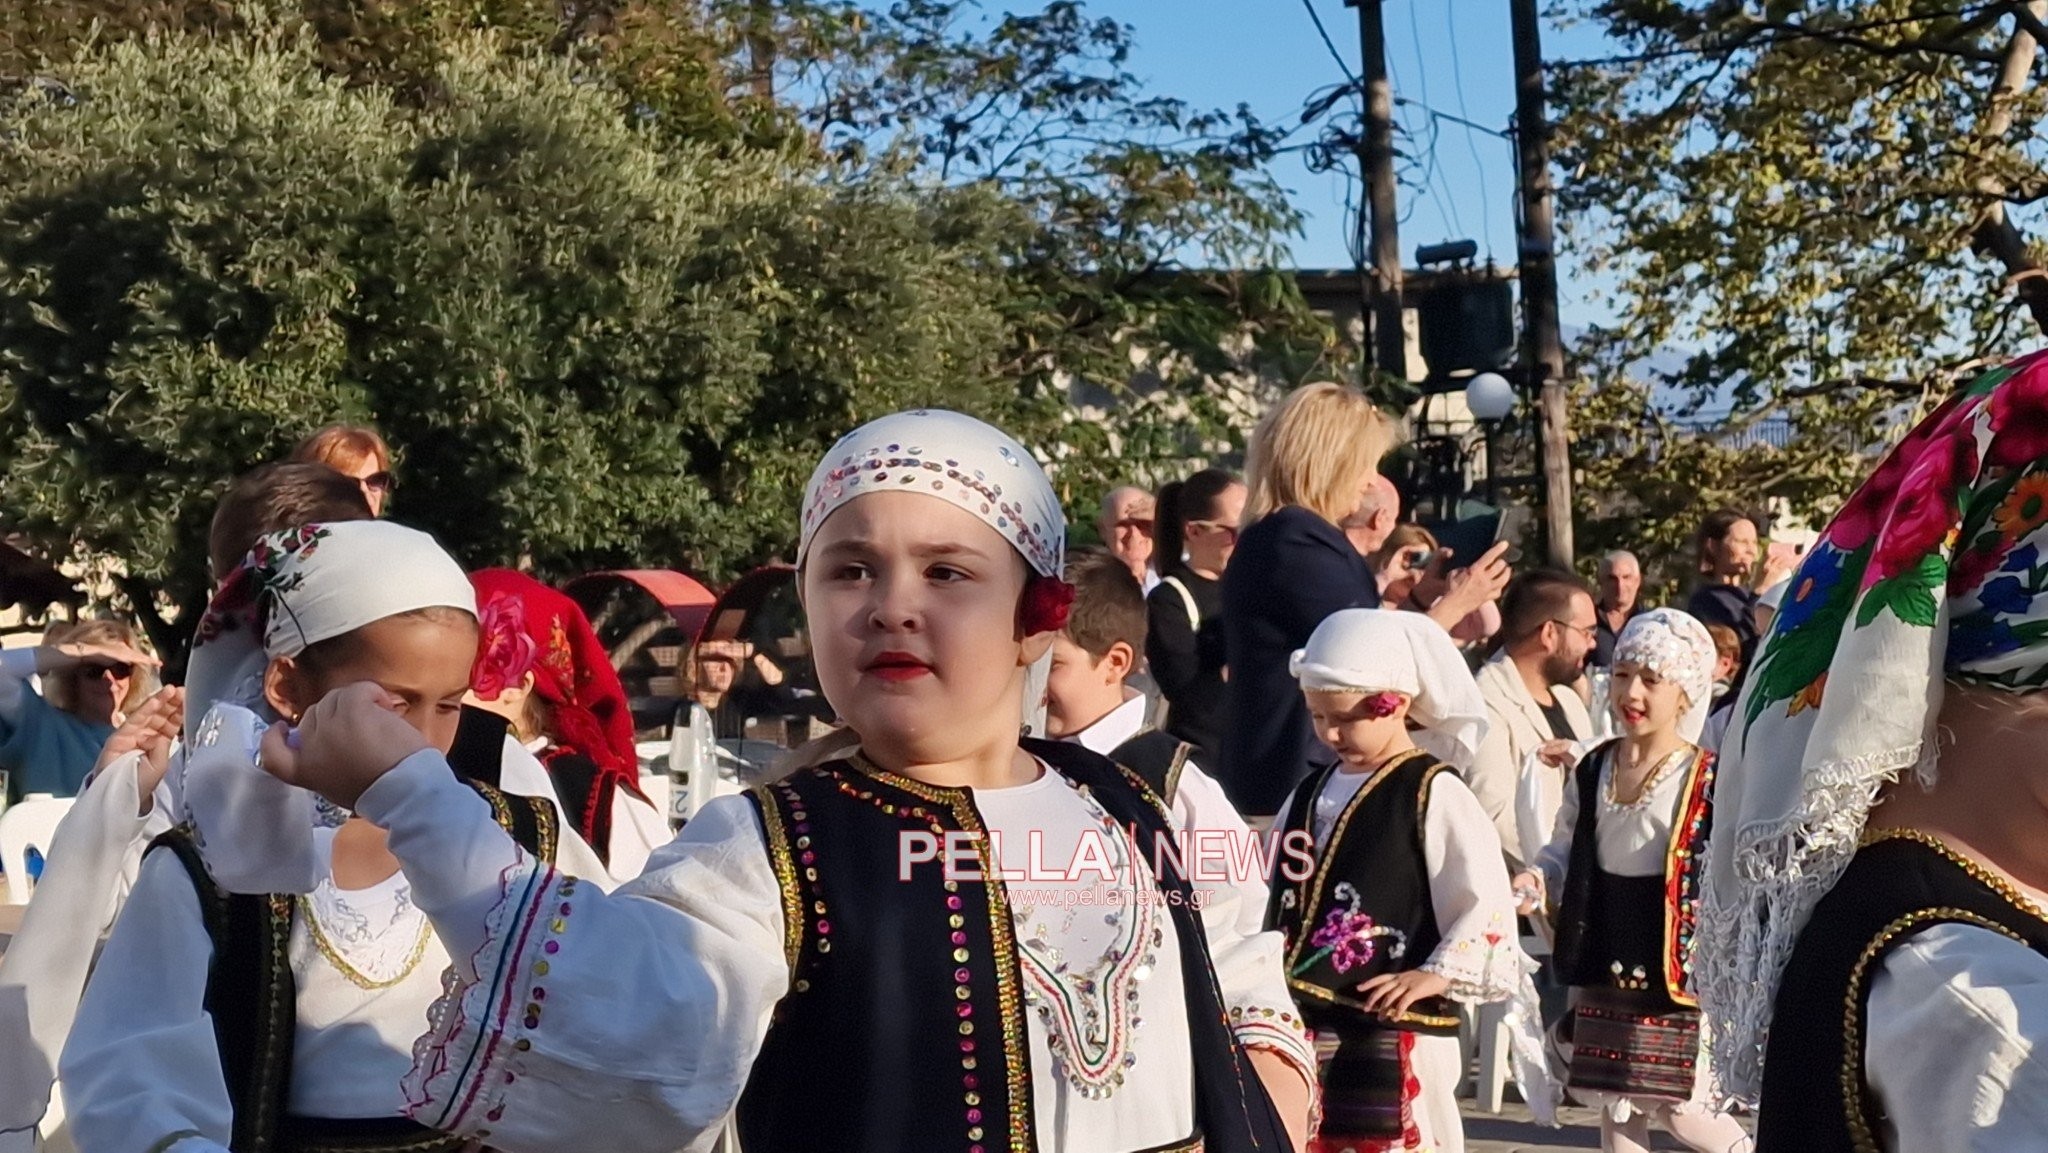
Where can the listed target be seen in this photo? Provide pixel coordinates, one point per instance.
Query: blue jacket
(1291, 569)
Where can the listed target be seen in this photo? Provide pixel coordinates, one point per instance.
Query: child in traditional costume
(835, 954)
(263, 984)
(1622, 875)
(1875, 935)
(1407, 912)
(540, 666)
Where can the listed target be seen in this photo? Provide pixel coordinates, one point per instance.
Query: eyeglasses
(381, 481)
(1590, 632)
(1216, 526)
(1141, 523)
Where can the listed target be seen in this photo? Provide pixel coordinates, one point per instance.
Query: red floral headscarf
(528, 627)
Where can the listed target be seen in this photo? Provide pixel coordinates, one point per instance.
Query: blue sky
(1451, 55)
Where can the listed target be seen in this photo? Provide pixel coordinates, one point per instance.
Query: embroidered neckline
(1682, 755)
(1090, 1015)
(332, 951)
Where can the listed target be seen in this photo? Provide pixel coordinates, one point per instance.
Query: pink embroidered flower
(2019, 418)
(1349, 937)
(504, 653)
(1047, 601)
(1381, 705)
(1925, 509)
(1866, 510)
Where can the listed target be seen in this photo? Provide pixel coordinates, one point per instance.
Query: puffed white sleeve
(574, 1019)
(1481, 952)
(141, 1069)
(1228, 869)
(1957, 1044)
(98, 853)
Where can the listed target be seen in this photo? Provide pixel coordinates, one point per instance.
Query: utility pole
(1376, 157)
(1542, 339)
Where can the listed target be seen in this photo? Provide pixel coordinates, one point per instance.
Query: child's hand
(1528, 888)
(149, 730)
(1390, 994)
(343, 744)
(1557, 754)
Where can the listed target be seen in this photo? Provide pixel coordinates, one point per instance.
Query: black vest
(1816, 1097)
(1636, 922)
(1157, 758)
(1375, 854)
(904, 1027)
(253, 1000)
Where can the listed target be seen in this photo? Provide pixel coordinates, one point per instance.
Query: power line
(1342, 63)
(1432, 173)
(1465, 118)
(1783, 36)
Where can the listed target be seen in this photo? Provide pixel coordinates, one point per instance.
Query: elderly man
(1126, 528)
(1379, 510)
(1621, 587)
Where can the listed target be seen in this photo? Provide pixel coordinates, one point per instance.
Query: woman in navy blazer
(1308, 466)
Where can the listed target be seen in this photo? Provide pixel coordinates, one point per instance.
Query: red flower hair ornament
(1380, 706)
(1047, 602)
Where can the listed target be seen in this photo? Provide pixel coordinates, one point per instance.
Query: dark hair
(1178, 503)
(1536, 597)
(323, 655)
(1715, 528)
(273, 497)
(1109, 604)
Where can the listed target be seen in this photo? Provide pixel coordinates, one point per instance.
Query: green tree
(592, 345)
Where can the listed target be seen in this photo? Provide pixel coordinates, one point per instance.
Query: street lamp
(1490, 399)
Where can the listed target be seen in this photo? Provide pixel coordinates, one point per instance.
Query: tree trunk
(1995, 235)
(172, 639)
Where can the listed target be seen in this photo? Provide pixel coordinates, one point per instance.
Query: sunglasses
(1142, 524)
(122, 670)
(379, 481)
(1415, 559)
(1215, 526)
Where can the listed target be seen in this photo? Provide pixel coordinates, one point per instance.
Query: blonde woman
(93, 674)
(1307, 468)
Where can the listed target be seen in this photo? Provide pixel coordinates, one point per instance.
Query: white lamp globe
(1489, 396)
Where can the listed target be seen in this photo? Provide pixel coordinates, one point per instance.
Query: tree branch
(1995, 235)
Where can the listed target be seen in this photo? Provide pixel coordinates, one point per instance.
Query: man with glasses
(1126, 529)
(1548, 629)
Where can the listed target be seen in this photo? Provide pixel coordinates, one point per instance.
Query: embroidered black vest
(904, 1029)
(1157, 758)
(1366, 908)
(1604, 920)
(252, 998)
(1816, 1097)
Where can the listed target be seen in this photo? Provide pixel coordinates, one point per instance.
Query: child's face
(1644, 702)
(1080, 690)
(912, 604)
(423, 661)
(1345, 722)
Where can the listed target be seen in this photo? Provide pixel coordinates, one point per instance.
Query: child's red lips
(895, 666)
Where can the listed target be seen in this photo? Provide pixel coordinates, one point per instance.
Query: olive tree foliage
(590, 344)
(1832, 205)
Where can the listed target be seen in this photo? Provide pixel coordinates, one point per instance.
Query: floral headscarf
(1933, 571)
(528, 627)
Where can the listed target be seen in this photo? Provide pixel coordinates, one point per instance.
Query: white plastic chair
(28, 825)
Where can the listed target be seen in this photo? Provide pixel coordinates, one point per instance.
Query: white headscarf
(294, 589)
(955, 458)
(1382, 650)
(1677, 647)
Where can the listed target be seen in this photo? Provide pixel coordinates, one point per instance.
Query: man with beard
(1548, 628)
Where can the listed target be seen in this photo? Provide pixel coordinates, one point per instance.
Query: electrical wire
(1433, 175)
(1465, 118)
(1328, 43)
